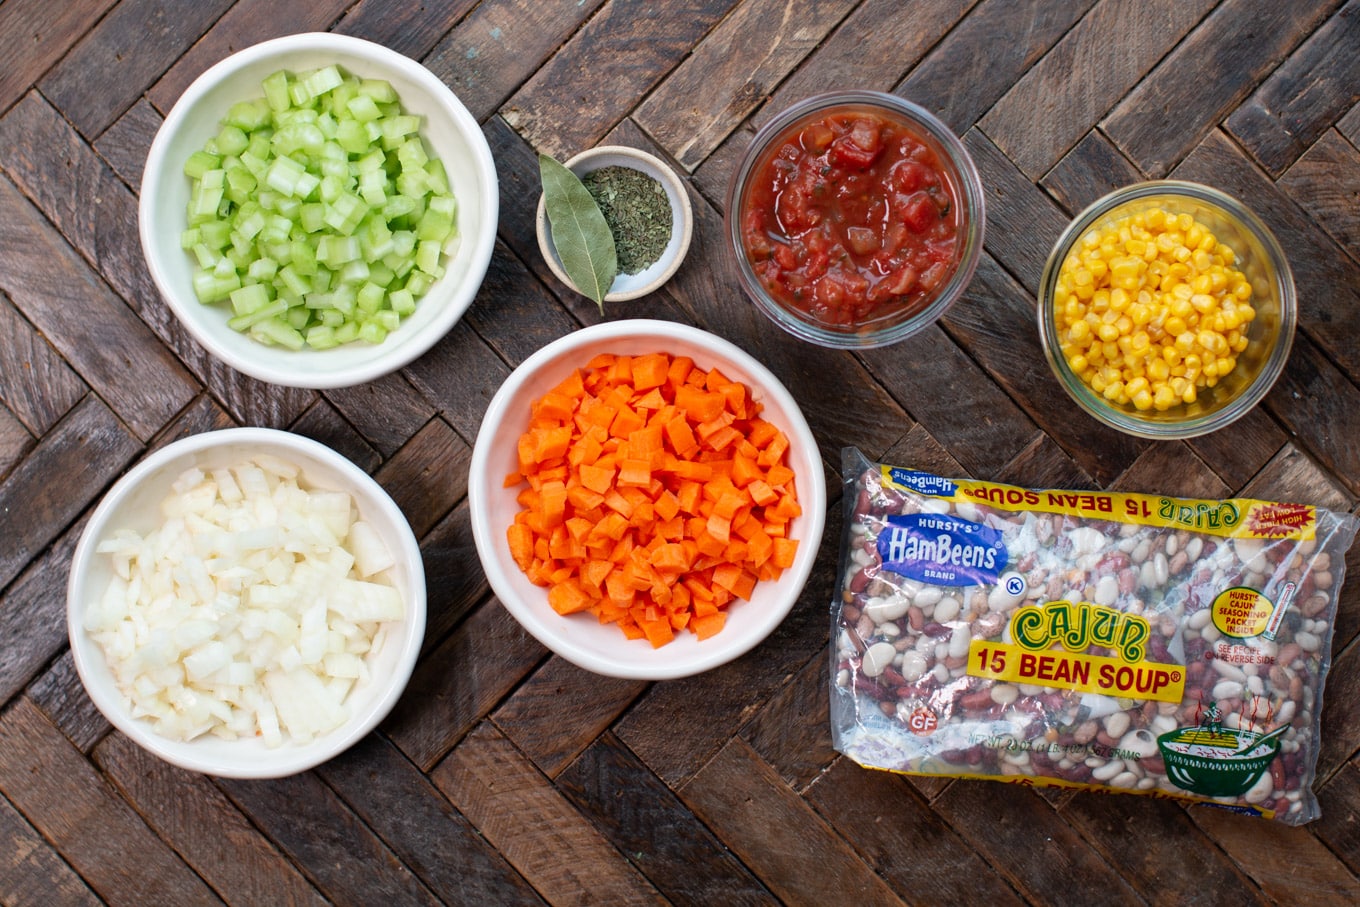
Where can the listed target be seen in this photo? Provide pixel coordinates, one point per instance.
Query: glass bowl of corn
(1167, 309)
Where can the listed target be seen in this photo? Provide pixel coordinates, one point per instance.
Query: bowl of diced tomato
(646, 499)
(855, 218)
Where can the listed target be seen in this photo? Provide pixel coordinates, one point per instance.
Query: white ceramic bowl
(134, 502)
(450, 132)
(648, 280)
(580, 638)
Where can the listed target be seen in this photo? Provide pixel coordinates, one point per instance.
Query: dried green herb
(580, 233)
(638, 212)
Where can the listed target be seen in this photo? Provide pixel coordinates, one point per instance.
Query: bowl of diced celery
(318, 210)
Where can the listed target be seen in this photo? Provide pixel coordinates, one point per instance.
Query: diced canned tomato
(851, 220)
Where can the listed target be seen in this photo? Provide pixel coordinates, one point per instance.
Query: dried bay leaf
(579, 231)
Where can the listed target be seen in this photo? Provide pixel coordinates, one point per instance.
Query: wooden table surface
(506, 775)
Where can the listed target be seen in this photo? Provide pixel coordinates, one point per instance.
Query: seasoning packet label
(1127, 642)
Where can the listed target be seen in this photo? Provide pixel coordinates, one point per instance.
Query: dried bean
(918, 641)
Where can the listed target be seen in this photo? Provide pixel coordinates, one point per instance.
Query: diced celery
(372, 332)
(379, 90)
(276, 90)
(250, 298)
(370, 297)
(317, 213)
(200, 162)
(231, 140)
(278, 331)
(321, 337)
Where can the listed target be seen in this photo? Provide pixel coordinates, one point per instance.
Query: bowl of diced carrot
(646, 499)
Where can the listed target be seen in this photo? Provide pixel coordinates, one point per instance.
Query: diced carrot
(699, 406)
(650, 371)
(654, 496)
(708, 625)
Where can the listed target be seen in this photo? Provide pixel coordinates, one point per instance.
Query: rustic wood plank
(62, 698)
(454, 580)
(1092, 169)
(1290, 864)
(1007, 822)
(427, 476)
(1061, 97)
(560, 709)
(208, 831)
(125, 144)
(897, 834)
(422, 827)
(1338, 827)
(1349, 125)
(1195, 86)
(292, 811)
(999, 40)
(1043, 464)
(35, 383)
(730, 70)
(1238, 451)
(996, 323)
(686, 863)
(103, 340)
(1173, 469)
(386, 410)
(518, 811)
(34, 34)
(872, 48)
(82, 453)
(1325, 182)
(410, 27)
(15, 441)
(1340, 706)
(1022, 222)
(72, 806)
(248, 22)
(770, 829)
(604, 69)
(1292, 476)
(100, 77)
(32, 872)
(456, 685)
(791, 732)
(675, 739)
(34, 141)
(1176, 864)
(499, 45)
(1304, 96)
(514, 313)
(33, 614)
(459, 376)
(322, 422)
(1311, 392)
(974, 418)
(1328, 281)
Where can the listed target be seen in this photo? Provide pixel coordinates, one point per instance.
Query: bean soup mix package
(1123, 642)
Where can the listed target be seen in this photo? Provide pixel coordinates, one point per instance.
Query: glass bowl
(1268, 336)
(829, 307)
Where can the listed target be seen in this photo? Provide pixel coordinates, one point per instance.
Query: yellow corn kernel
(1142, 401)
(1158, 370)
(1163, 397)
(1077, 363)
(1175, 325)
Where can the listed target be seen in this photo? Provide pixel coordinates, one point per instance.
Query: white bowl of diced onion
(246, 603)
(450, 134)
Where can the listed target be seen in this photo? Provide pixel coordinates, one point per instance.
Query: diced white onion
(250, 611)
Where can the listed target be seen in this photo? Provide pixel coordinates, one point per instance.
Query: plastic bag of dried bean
(1125, 642)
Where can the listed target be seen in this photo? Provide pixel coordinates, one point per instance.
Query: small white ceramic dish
(648, 280)
(450, 132)
(134, 503)
(580, 638)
